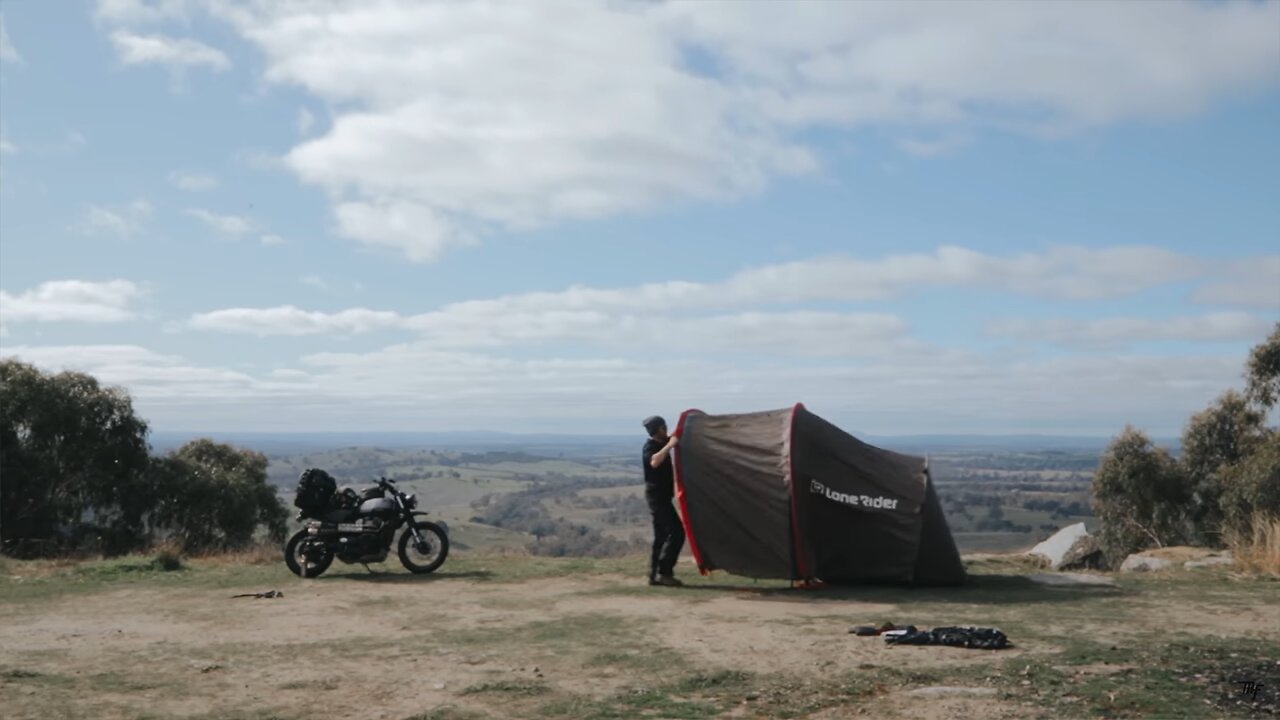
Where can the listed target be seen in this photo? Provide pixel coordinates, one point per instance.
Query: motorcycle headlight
(411, 501)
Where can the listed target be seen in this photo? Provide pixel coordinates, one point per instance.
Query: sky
(912, 217)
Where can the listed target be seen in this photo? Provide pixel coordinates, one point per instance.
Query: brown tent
(786, 494)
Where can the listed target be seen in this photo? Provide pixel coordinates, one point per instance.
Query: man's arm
(661, 456)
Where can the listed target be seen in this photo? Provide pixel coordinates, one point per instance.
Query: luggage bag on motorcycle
(315, 487)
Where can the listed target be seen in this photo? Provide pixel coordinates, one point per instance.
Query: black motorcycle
(360, 528)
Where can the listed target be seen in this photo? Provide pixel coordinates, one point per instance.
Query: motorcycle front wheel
(428, 555)
(295, 558)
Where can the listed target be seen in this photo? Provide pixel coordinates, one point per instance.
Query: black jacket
(659, 482)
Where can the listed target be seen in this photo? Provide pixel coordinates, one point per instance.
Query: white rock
(1071, 546)
(1143, 563)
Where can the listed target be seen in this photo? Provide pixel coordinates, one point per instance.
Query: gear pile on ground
(966, 637)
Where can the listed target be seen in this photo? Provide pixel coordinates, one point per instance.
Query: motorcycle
(360, 528)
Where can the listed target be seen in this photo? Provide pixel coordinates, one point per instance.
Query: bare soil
(468, 644)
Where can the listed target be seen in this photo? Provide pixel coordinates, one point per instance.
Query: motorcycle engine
(367, 545)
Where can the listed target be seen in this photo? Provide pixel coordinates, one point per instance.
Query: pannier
(315, 488)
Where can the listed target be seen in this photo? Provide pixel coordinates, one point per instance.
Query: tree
(1214, 439)
(72, 455)
(213, 496)
(1252, 488)
(1139, 495)
(1263, 371)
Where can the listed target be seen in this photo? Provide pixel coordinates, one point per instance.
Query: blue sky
(914, 218)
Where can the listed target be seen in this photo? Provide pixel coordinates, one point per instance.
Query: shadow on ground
(384, 576)
(980, 589)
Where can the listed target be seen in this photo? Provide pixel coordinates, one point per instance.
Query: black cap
(653, 422)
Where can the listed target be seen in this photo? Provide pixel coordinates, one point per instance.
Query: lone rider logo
(863, 501)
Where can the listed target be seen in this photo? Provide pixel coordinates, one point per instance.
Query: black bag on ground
(315, 487)
(966, 637)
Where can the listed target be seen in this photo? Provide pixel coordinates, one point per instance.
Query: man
(659, 489)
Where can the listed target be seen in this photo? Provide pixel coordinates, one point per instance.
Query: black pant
(668, 536)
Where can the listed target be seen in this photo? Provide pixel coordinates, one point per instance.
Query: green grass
(43, 581)
(637, 703)
(508, 689)
(446, 712)
(27, 677)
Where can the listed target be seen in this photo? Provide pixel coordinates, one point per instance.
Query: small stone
(439, 686)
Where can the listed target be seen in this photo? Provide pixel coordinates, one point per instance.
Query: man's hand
(673, 441)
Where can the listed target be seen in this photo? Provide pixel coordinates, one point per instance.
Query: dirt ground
(464, 643)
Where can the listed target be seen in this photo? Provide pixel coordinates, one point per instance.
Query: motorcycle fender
(441, 523)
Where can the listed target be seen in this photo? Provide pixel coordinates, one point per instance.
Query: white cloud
(589, 111)
(136, 49)
(7, 148)
(417, 231)
(271, 240)
(153, 378)
(71, 301)
(1070, 273)
(1110, 332)
(305, 121)
(193, 181)
(289, 320)
(142, 12)
(812, 334)
(122, 221)
(418, 386)
(231, 225)
(8, 53)
(1252, 283)
(624, 316)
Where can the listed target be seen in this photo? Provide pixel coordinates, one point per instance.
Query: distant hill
(595, 445)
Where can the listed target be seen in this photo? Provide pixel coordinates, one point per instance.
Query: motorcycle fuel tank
(377, 505)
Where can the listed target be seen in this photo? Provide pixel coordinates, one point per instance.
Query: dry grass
(1259, 551)
(261, 554)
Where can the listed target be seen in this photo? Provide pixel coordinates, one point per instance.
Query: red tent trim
(680, 497)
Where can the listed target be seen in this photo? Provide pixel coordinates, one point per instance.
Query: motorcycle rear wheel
(298, 563)
(434, 539)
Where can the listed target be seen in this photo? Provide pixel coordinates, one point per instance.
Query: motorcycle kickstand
(371, 570)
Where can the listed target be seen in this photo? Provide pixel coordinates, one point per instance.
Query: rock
(439, 686)
(945, 690)
(1072, 579)
(1070, 548)
(1143, 563)
(1208, 562)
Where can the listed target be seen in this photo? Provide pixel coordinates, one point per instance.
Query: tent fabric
(786, 494)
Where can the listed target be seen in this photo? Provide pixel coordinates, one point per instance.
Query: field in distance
(996, 498)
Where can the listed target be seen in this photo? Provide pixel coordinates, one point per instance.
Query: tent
(785, 494)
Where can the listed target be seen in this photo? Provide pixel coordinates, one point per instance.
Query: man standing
(659, 489)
